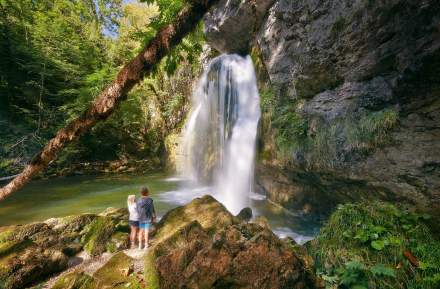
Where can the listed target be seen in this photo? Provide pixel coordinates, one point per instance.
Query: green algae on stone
(214, 215)
(118, 241)
(97, 235)
(76, 280)
(151, 275)
(6, 233)
(115, 272)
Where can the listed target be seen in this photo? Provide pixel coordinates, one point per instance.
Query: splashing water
(219, 139)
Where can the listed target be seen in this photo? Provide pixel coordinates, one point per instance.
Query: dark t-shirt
(146, 209)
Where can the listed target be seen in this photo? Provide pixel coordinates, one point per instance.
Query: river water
(44, 199)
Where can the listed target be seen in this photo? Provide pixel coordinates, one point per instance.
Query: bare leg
(146, 237)
(141, 236)
(133, 234)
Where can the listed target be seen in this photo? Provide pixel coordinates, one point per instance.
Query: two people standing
(141, 217)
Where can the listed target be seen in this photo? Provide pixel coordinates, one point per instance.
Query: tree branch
(131, 74)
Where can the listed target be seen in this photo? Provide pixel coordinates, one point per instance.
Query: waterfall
(219, 139)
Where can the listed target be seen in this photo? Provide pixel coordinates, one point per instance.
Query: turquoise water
(44, 199)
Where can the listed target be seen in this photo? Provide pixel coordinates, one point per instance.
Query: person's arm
(154, 211)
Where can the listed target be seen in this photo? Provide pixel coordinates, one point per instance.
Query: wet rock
(245, 214)
(262, 222)
(231, 25)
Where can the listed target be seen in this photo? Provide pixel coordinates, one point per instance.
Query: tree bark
(134, 71)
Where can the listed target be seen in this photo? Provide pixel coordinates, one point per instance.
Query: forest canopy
(46, 81)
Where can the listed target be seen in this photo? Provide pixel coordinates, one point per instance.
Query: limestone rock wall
(355, 98)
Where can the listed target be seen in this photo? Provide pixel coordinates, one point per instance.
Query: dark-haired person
(147, 215)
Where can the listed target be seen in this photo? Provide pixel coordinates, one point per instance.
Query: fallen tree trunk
(134, 71)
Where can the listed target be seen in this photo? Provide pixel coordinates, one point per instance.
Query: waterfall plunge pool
(44, 199)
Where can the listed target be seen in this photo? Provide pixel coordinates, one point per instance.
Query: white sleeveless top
(134, 215)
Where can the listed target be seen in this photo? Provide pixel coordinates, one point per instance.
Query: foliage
(326, 143)
(371, 130)
(291, 128)
(363, 245)
(56, 57)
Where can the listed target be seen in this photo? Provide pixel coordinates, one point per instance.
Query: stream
(44, 199)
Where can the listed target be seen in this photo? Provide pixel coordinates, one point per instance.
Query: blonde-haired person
(133, 219)
(147, 215)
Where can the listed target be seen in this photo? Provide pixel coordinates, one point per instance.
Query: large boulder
(107, 232)
(23, 263)
(209, 248)
(30, 253)
(231, 26)
(207, 211)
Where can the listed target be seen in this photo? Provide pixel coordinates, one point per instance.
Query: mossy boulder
(76, 280)
(30, 253)
(24, 262)
(201, 245)
(116, 213)
(71, 224)
(98, 233)
(377, 245)
(207, 211)
(117, 273)
(118, 241)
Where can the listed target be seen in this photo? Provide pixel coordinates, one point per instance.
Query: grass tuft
(369, 245)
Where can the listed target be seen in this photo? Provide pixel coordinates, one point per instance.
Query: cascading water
(219, 140)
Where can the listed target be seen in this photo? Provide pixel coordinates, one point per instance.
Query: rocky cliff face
(353, 109)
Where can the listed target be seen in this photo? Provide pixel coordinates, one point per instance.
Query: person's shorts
(133, 223)
(145, 226)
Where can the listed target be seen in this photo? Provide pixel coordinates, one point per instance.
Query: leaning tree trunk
(112, 95)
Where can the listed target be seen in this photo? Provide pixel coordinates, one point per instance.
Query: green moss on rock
(214, 215)
(368, 245)
(6, 233)
(98, 234)
(116, 272)
(118, 241)
(76, 281)
(151, 275)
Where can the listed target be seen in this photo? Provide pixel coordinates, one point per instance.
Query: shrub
(371, 245)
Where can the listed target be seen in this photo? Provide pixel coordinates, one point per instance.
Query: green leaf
(346, 234)
(361, 236)
(378, 245)
(379, 229)
(354, 265)
(395, 241)
(382, 270)
(330, 279)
